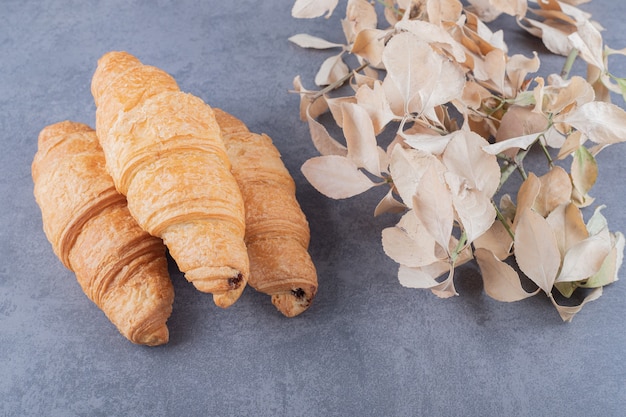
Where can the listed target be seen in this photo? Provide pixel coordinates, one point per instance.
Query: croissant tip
(158, 337)
(294, 302)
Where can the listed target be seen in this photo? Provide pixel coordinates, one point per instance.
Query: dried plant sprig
(444, 173)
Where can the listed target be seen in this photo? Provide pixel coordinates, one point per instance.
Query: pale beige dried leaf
(556, 40)
(473, 208)
(465, 157)
(474, 94)
(584, 171)
(568, 226)
(374, 101)
(563, 93)
(526, 196)
(422, 277)
(335, 176)
(369, 45)
(444, 11)
(536, 249)
(446, 288)
(514, 143)
(603, 123)
(408, 243)
(389, 204)
(360, 138)
(608, 273)
(426, 140)
(322, 140)
(307, 9)
(331, 70)
(407, 167)
(335, 105)
(496, 240)
(588, 40)
(585, 258)
(567, 313)
(312, 107)
(575, 2)
(573, 141)
(432, 203)
(555, 189)
(485, 10)
(394, 96)
(304, 40)
(434, 35)
(517, 69)
(500, 280)
(495, 65)
(360, 15)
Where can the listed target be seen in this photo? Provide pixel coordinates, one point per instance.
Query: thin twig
(341, 81)
(569, 62)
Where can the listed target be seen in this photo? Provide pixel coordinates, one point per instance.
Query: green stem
(502, 220)
(569, 62)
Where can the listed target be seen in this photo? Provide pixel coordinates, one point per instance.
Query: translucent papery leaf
(567, 313)
(360, 15)
(307, 9)
(413, 66)
(304, 40)
(585, 258)
(584, 171)
(432, 203)
(323, 142)
(519, 122)
(431, 143)
(562, 93)
(360, 138)
(394, 97)
(588, 40)
(408, 243)
(309, 107)
(331, 70)
(474, 209)
(496, 240)
(608, 272)
(601, 122)
(536, 250)
(369, 45)
(556, 189)
(446, 288)
(518, 67)
(434, 34)
(568, 226)
(444, 11)
(554, 39)
(407, 167)
(388, 204)
(519, 142)
(526, 196)
(335, 105)
(500, 280)
(374, 101)
(422, 277)
(495, 67)
(465, 157)
(335, 176)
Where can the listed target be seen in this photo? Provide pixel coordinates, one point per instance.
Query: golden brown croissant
(119, 266)
(277, 232)
(164, 151)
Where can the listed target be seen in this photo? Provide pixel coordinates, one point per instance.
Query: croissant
(277, 231)
(119, 266)
(164, 151)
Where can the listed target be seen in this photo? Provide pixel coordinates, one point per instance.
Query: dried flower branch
(444, 173)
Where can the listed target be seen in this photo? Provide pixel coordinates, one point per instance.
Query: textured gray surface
(366, 347)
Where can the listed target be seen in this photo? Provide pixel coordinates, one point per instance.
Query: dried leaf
(332, 69)
(407, 167)
(312, 107)
(444, 11)
(335, 176)
(584, 172)
(554, 39)
(588, 41)
(465, 157)
(568, 226)
(369, 45)
(496, 240)
(526, 196)
(555, 189)
(322, 140)
(304, 40)
(500, 280)
(536, 249)
(567, 313)
(575, 91)
(307, 9)
(601, 122)
(422, 277)
(429, 142)
(585, 258)
(360, 15)
(432, 203)
(408, 243)
(388, 204)
(374, 101)
(360, 138)
(434, 35)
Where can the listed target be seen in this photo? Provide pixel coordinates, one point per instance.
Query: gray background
(366, 347)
